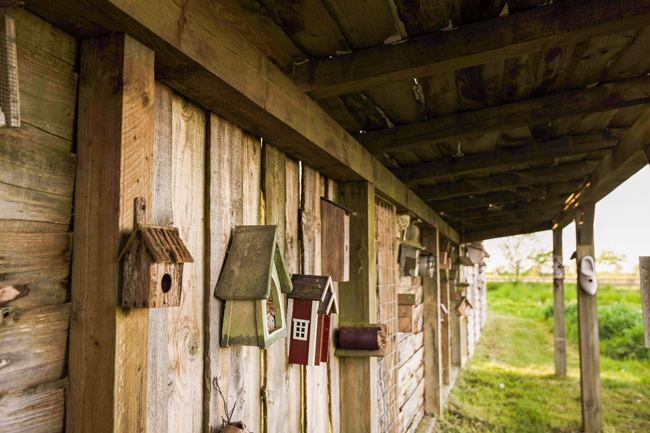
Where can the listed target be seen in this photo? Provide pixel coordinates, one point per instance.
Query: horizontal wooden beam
(479, 214)
(535, 152)
(628, 158)
(503, 231)
(538, 29)
(204, 58)
(603, 97)
(524, 194)
(525, 216)
(487, 184)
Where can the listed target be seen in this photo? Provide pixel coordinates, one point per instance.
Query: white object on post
(644, 271)
(587, 276)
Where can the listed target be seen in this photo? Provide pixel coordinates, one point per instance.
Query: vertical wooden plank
(233, 199)
(331, 192)
(559, 329)
(108, 344)
(455, 325)
(175, 395)
(316, 404)
(432, 341)
(358, 376)
(592, 409)
(292, 257)
(444, 325)
(275, 389)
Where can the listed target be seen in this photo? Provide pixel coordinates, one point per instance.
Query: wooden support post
(592, 414)
(357, 300)
(558, 304)
(644, 271)
(108, 344)
(444, 326)
(455, 346)
(432, 341)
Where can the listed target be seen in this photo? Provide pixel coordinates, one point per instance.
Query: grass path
(509, 385)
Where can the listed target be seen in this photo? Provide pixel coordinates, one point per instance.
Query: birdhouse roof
(315, 288)
(248, 271)
(464, 302)
(163, 244)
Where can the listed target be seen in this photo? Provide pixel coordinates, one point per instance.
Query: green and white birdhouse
(251, 281)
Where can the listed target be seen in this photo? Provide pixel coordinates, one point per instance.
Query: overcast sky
(622, 224)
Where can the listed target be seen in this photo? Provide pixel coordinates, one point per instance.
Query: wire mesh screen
(9, 103)
(385, 221)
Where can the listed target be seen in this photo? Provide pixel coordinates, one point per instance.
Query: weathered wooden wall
(37, 174)
(411, 360)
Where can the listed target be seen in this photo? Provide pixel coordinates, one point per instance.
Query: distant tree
(610, 259)
(543, 260)
(520, 252)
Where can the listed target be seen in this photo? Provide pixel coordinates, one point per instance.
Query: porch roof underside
(503, 116)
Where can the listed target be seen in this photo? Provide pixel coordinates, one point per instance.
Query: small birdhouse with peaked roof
(153, 267)
(311, 305)
(463, 305)
(251, 281)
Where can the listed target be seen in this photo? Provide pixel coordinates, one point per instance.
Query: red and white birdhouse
(310, 306)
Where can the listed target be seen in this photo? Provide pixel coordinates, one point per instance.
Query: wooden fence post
(558, 304)
(445, 353)
(432, 342)
(644, 272)
(592, 414)
(108, 344)
(358, 303)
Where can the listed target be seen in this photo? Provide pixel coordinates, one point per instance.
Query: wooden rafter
(603, 97)
(538, 29)
(503, 231)
(524, 194)
(485, 185)
(526, 216)
(614, 169)
(535, 152)
(504, 211)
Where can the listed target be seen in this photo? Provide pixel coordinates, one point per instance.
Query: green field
(509, 385)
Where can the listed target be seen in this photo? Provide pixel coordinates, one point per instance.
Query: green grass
(516, 350)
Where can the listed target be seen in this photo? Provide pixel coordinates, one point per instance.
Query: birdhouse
(426, 267)
(362, 340)
(409, 259)
(463, 305)
(335, 240)
(153, 267)
(405, 312)
(476, 253)
(251, 281)
(465, 261)
(310, 306)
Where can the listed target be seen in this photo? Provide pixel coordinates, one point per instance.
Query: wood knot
(145, 99)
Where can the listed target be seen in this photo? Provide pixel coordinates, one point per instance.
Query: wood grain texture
(592, 405)
(484, 185)
(432, 330)
(603, 97)
(268, 103)
(438, 52)
(333, 368)
(316, 389)
(115, 144)
(34, 346)
(559, 328)
(445, 353)
(292, 258)
(233, 199)
(281, 387)
(175, 352)
(34, 410)
(358, 376)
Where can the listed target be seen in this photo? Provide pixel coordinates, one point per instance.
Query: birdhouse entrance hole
(166, 283)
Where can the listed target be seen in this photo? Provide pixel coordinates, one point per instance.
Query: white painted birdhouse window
(300, 329)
